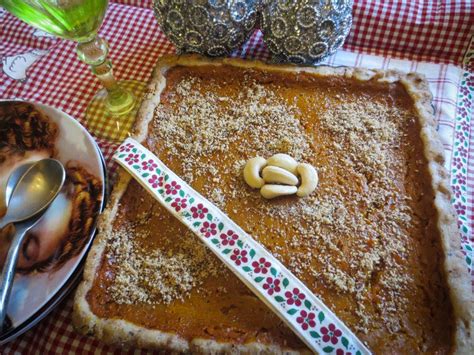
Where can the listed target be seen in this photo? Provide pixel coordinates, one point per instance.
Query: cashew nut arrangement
(278, 176)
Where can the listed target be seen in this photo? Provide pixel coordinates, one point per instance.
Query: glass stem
(94, 52)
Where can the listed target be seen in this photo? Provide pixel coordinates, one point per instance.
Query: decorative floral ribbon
(272, 282)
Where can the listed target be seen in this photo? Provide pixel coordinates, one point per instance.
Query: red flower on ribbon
(149, 165)
(208, 229)
(156, 181)
(460, 135)
(126, 148)
(173, 188)
(470, 78)
(271, 285)
(239, 256)
(331, 334)
(295, 297)
(199, 211)
(261, 265)
(132, 158)
(457, 162)
(460, 208)
(229, 238)
(306, 319)
(461, 178)
(342, 352)
(179, 204)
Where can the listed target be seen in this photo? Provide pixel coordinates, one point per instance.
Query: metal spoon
(34, 192)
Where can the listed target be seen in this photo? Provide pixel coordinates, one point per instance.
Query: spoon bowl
(13, 180)
(36, 188)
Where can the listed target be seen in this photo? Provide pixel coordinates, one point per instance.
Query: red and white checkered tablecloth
(435, 38)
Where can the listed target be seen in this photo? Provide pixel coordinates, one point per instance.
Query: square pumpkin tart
(377, 242)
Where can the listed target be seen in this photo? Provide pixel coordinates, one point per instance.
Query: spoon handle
(8, 272)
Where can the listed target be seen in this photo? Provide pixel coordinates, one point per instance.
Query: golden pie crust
(96, 313)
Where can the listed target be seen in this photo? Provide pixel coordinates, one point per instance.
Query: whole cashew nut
(272, 191)
(283, 161)
(276, 175)
(309, 179)
(252, 172)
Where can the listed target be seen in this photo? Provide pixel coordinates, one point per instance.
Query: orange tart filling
(365, 241)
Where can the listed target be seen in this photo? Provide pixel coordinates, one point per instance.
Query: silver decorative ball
(209, 27)
(305, 31)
